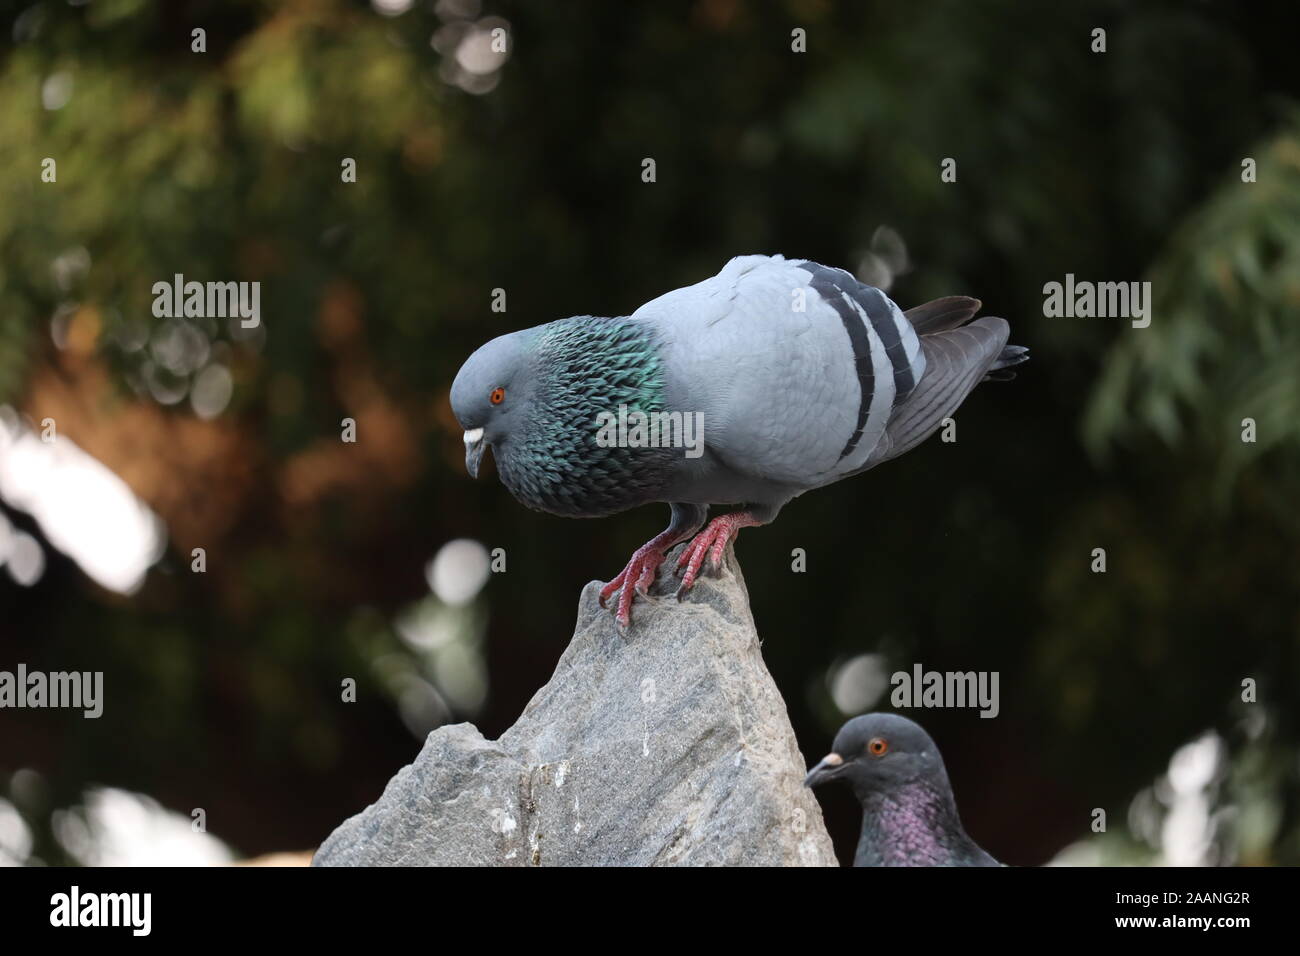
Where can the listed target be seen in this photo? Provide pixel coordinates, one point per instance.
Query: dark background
(523, 172)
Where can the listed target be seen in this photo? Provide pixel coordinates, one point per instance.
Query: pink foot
(710, 543)
(637, 576)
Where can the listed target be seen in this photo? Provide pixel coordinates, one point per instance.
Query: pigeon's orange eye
(878, 747)
(498, 395)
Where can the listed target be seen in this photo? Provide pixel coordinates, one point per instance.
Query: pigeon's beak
(473, 450)
(828, 769)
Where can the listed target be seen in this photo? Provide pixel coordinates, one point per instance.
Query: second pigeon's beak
(827, 769)
(473, 450)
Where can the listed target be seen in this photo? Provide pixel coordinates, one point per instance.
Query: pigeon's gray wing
(795, 379)
(955, 362)
(938, 315)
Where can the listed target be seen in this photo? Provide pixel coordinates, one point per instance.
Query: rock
(667, 745)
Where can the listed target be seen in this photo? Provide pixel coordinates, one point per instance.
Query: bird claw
(634, 579)
(709, 543)
(610, 588)
(647, 577)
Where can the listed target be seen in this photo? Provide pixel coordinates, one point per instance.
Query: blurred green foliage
(225, 165)
(1229, 349)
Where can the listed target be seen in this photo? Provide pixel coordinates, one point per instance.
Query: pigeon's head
(490, 394)
(878, 753)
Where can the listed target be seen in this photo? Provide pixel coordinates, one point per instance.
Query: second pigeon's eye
(878, 746)
(498, 395)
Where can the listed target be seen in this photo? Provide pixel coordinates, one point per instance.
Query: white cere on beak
(473, 436)
(833, 760)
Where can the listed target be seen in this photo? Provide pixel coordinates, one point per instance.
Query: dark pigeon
(801, 375)
(909, 817)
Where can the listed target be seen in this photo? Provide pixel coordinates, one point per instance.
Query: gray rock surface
(669, 745)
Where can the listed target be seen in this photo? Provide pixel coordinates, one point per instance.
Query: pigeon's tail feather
(955, 362)
(1011, 356)
(939, 315)
(954, 311)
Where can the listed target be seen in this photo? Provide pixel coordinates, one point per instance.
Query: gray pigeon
(797, 375)
(909, 817)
